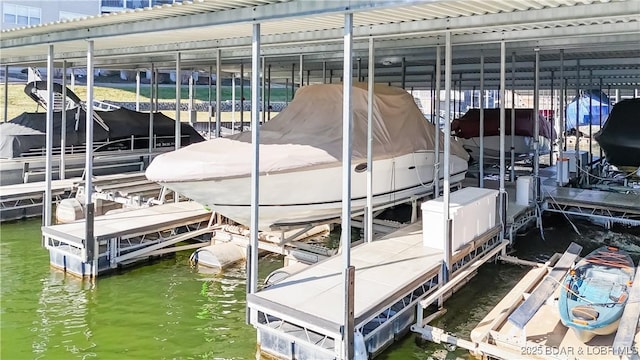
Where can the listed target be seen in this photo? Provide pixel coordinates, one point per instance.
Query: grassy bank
(19, 102)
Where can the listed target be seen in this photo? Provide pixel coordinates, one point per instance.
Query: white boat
(300, 159)
(522, 146)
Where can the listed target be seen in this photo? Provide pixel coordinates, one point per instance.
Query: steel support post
(345, 239)
(48, 141)
(218, 92)
(503, 192)
(370, 94)
(255, 142)
(447, 155)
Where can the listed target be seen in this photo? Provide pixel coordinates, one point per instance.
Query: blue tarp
(594, 99)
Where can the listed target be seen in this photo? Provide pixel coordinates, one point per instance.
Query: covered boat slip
(124, 237)
(302, 314)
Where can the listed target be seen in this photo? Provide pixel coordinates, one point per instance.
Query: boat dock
(25, 200)
(20, 201)
(309, 323)
(384, 305)
(605, 206)
(125, 237)
(526, 322)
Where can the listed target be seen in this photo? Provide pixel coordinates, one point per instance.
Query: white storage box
(472, 211)
(571, 154)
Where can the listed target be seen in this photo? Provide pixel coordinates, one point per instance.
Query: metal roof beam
(263, 13)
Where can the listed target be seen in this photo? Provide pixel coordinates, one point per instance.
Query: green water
(167, 310)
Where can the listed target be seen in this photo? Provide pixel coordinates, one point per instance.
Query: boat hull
(315, 194)
(523, 146)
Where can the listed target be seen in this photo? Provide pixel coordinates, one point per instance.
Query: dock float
(126, 237)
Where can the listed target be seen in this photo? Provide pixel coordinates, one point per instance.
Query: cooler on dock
(472, 211)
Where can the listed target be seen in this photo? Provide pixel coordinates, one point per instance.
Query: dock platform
(301, 315)
(128, 236)
(25, 200)
(609, 207)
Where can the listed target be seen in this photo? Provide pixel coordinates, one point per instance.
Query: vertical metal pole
(577, 147)
(403, 74)
(473, 97)
(63, 127)
(210, 99)
(233, 103)
(447, 154)
(370, 94)
(536, 128)
(436, 159)
(564, 123)
(269, 92)
(6, 93)
(600, 115)
(459, 95)
(73, 80)
(512, 174)
(241, 97)
(324, 72)
(137, 90)
(218, 92)
(553, 115)
(151, 106)
(178, 96)
(359, 69)
(156, 91)
(330, 76)
(293, 79)
(301, 72)
(190, 103)
(255, 163)
(590, 90)
(48, 140)
(561, 120)
(92, 246)
(482, 105)
(503, 192)
(263, 86)
(308, 77)
(345, 239)
(433, 99)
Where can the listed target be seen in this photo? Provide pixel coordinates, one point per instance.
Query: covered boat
(619, 137)
(301, 159)
(25, 134)
(595, 293)
(467, 128)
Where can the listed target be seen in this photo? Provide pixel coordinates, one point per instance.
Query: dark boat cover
(620, 135)
(468, 126)
(27, 131)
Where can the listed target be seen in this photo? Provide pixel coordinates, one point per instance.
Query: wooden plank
(525, 312)
(499, 314)
(629, 322)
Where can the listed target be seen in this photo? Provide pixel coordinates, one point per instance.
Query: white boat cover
(308, 133)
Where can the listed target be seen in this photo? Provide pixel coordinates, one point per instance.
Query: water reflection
(61, 325)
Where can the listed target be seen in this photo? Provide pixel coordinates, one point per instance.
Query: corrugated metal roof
(300, 26)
